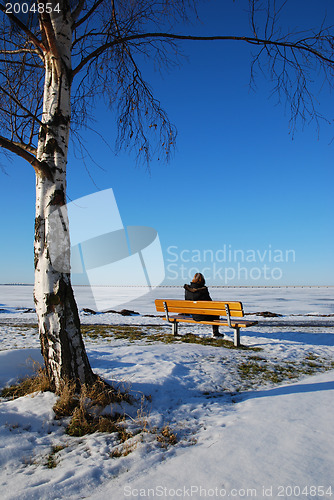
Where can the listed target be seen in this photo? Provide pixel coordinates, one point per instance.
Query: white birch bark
(59, 326)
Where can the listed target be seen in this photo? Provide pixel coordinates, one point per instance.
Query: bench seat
(232, 311)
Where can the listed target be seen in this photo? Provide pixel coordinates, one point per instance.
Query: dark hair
(199, 278)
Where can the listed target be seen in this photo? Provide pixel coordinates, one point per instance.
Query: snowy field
(241, 433)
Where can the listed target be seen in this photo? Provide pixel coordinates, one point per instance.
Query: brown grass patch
(167, 437)
(86, 408)
(37, 383)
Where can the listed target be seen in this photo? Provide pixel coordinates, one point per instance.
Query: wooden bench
(233, 311)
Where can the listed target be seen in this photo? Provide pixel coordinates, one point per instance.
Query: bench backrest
(214, 308)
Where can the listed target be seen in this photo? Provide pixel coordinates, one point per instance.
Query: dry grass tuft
(80, 423)
(167, 437)
(92, 409)
(102, 394)
(85, 409)
(67, 401)
(51, 460)
(37, 383)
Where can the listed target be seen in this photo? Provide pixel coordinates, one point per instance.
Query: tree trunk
(62, 346)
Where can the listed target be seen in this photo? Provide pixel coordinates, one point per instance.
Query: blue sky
(239, 186)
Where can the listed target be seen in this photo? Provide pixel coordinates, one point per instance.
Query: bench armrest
(166, 311)
(228, 315)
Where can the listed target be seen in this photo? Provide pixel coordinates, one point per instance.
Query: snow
(236, 439)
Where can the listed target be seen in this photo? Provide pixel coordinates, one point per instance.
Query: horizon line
(181, 286)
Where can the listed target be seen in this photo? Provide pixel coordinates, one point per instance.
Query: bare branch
(88, 14)
(19, 51)
(108, 36)
(39, 45)
(19, 103)
(78, 9)
(28, 65)
(22, 150)
(300, 45)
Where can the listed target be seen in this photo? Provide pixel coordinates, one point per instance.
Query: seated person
(198, 291)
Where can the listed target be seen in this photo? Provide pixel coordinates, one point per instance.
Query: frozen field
(239, 436)
(282, 300)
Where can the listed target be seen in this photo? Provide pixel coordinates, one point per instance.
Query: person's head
(199, 278)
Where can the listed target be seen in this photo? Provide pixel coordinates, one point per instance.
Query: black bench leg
(236, 337)
(174, 328)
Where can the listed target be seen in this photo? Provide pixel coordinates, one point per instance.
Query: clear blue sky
(238, 182)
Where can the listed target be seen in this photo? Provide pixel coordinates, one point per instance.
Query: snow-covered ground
(239, 436)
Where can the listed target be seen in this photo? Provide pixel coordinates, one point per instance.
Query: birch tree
(55, 57)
